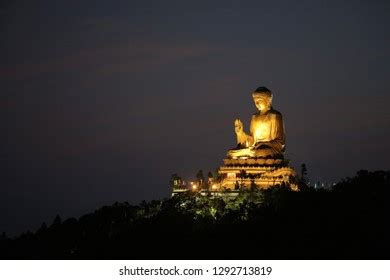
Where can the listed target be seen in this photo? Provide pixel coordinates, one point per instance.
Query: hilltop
(347, 222)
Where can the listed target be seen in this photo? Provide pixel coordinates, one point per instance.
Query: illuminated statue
(266, 137)
(258, 159)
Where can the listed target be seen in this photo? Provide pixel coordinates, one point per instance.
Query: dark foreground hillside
(349, 222)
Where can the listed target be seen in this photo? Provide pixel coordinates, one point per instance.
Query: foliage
(277, 223)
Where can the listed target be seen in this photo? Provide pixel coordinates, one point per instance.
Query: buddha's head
(262, 97)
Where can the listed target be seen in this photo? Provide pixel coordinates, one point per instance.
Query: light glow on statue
(259, 155)
(258, 159)
(266, 136)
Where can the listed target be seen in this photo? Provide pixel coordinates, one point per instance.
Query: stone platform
(265, 173)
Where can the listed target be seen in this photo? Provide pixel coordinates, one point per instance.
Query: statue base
(262, 173)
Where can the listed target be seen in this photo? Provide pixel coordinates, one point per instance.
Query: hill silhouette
(346, 222)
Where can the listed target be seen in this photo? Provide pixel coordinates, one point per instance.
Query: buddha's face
(262, 103)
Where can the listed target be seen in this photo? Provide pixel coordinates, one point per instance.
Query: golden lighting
(259, 150)
(266, 133)
(262, 131)
(194, 187)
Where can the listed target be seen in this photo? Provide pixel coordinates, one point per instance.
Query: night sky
(101, 101)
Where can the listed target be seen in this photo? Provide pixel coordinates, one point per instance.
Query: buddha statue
(266, 137)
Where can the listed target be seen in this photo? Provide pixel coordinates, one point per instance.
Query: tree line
(347, 222)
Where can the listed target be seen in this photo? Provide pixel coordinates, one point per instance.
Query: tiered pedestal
(265, 173)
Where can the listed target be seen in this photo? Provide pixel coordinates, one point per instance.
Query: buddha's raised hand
(238, 126)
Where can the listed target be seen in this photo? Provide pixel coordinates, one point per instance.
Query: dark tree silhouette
(210, 176)
(200, 178)
(346, 222)
(303, 173)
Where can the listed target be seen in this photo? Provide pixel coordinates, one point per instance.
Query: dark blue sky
(101, 101)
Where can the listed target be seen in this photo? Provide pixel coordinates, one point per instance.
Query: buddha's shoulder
(274, 112)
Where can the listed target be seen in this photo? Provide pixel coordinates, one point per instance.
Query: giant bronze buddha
(266, 138)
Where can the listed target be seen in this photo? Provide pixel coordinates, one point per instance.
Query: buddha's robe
(266, 137)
